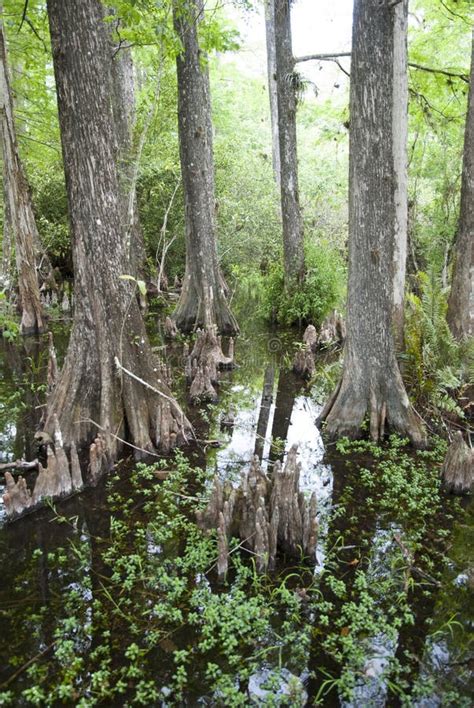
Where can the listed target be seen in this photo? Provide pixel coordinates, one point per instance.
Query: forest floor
(112, 597)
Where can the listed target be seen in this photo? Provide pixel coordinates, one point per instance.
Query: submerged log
(458, 466)
(19, 465)
(267, 514)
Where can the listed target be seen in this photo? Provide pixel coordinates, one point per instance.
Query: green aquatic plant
(142, 618)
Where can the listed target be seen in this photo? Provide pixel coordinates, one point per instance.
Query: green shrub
(321, 291)
(51, 212)
(436, 366)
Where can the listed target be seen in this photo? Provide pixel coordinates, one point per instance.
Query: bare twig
(116, 437)
(144, 383)
(238, 547)
(33, 29)
(166, 246)
(344, 71)
(23, 15)
(455, 14)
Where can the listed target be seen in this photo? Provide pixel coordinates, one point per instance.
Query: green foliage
(50, 204)
(439, 38)
(320, 292)
(9, 326)
(436, 366)
(147, 598)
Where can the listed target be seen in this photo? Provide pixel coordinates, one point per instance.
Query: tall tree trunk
(109, 381)
(272, 86)
(19, 210)
(293, 250)
(203, 299)
(371, 382)
(400, 160)
(5, 272)
(461, 299)
(124, 114)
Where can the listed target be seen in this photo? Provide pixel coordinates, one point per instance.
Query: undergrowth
(321, 291)
(143, 620)
(436, 367)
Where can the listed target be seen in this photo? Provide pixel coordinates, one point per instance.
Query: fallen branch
(155, 390)
(31, 661)
(19, 465)
(116, 437)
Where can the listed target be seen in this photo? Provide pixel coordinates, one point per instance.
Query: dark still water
(112, 597)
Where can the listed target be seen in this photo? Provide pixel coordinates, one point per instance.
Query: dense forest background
(248, 223)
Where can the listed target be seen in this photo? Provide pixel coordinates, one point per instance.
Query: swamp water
(112, 598)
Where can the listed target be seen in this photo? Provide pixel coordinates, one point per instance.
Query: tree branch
(454, 14)
(321, 57)
(23, 15)
(445, 72)
(413, 65)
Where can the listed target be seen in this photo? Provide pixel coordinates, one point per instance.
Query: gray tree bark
(109, 381)
(5, 272)
(20, 220)
(293, 248)
(400, 159)
(371, 383)
(461, 299)
(272, 86)
(124, 114)
(203, 299)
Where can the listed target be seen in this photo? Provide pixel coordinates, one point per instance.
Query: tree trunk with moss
(293, 249)
(461, 299)
(18, 207)
(109, 382)
(203, 300)
(371, 384)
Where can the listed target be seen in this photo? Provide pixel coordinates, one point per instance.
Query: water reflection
(271, 412)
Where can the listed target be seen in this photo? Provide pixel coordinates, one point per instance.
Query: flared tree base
(381, 400)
